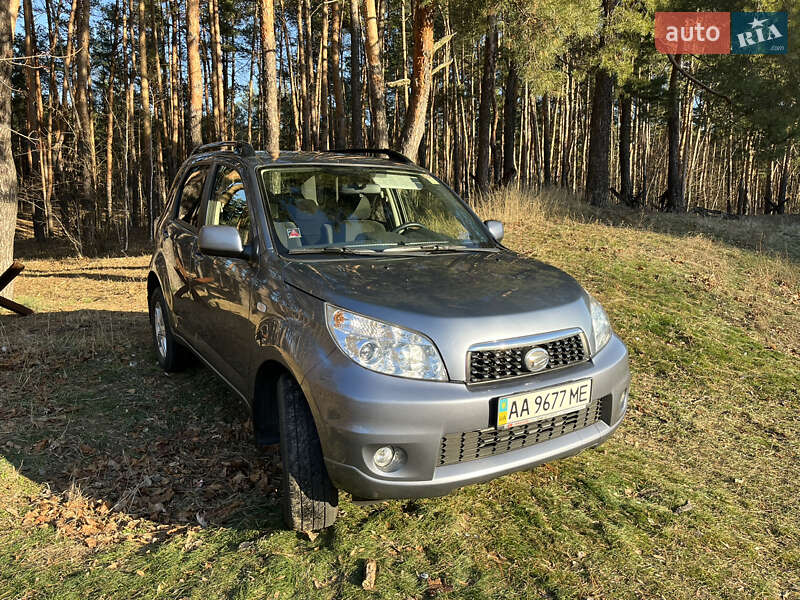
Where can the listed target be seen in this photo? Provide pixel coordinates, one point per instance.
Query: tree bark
(339, 122)
(625, 191)
(175, 84)
(511, 96)
(217, 77)
(195, 72)
(597, 170)
(547, 140)
(270, 78)
(35, 115)
(322, 83)
(414, 123)
(110, 120)
(783, 186)
(675, 199)
(305, 79)
(8, 171)
(86, 148)
(484, 111)
(380, 128)
(147, 124)
(356, 106)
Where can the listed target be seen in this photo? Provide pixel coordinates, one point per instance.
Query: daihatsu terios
(375, 326)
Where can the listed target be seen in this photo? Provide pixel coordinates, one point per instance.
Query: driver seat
(358, 225)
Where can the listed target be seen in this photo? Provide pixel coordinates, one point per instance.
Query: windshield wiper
(333, 250)
(436, 247)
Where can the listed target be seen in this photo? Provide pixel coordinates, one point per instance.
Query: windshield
(351, 209)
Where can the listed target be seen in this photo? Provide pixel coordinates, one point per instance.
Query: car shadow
(86, 411)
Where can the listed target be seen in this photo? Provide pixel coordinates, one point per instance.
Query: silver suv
(375, 326)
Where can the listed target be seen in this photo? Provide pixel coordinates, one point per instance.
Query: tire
(309, 498)
(171, 355)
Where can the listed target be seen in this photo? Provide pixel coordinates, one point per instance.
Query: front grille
(505, 363)
(472, 445)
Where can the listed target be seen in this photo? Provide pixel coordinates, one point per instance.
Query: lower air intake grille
(472, 445)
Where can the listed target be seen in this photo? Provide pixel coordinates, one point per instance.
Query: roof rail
(240, 148)
(392, 154)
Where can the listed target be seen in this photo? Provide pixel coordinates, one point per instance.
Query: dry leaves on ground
(92, 522)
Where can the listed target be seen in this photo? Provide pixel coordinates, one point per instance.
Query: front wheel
(309, 498)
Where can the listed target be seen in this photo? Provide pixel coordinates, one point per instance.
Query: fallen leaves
(207, 471)
(89, 521)
(436, 585)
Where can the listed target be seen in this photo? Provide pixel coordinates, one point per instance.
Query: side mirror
(221, 240)
(496, 229)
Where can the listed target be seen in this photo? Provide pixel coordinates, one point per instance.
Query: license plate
(543, 404)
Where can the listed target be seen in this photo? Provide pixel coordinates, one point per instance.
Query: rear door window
(191, 196)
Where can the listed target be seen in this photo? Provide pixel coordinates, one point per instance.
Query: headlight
(383, 347)
(601, 326)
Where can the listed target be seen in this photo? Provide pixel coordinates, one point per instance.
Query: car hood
(457, 299)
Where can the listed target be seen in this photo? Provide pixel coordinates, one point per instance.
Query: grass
(107, 465)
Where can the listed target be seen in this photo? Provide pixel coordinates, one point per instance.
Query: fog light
(388, 458)
(383, 457)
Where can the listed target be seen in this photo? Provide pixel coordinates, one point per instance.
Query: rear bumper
(361, 411)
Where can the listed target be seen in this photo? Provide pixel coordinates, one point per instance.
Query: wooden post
(6, 278)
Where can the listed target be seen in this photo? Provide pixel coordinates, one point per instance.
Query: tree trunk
(250, 83)
(8, 172)
(110, 121)
(547, 140)
(195, 72)
(147, 125)
(674, 200)
(625, 192)
(302, 66)
(597, 174)
(356, 106)
(175, 84)
(35, 115)
(414, 123)
(217, 77)
(780, 206)
(86, 149)
(380, 128)
(322, 84)
(511, 96)
(270, 78)
(339, 123)
(485, 109)
(311, 74)
(159, 115)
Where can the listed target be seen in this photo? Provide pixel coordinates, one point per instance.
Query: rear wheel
(309, 498)
(171, 355)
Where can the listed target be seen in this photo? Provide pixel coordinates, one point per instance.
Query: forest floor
(118, 481)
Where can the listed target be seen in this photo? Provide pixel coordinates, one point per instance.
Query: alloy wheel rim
(161, 330)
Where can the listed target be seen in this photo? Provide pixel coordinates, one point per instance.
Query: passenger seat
(359, 222)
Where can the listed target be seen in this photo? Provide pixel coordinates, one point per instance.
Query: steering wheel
(406, 226)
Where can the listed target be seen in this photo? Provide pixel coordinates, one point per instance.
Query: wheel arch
(264, 406)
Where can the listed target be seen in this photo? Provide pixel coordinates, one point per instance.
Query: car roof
(330, 158)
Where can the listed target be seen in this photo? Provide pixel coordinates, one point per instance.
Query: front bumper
(357, 411)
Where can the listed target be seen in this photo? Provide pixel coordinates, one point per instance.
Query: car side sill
(183, 341)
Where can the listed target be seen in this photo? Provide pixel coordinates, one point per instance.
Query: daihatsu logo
(536, 359)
